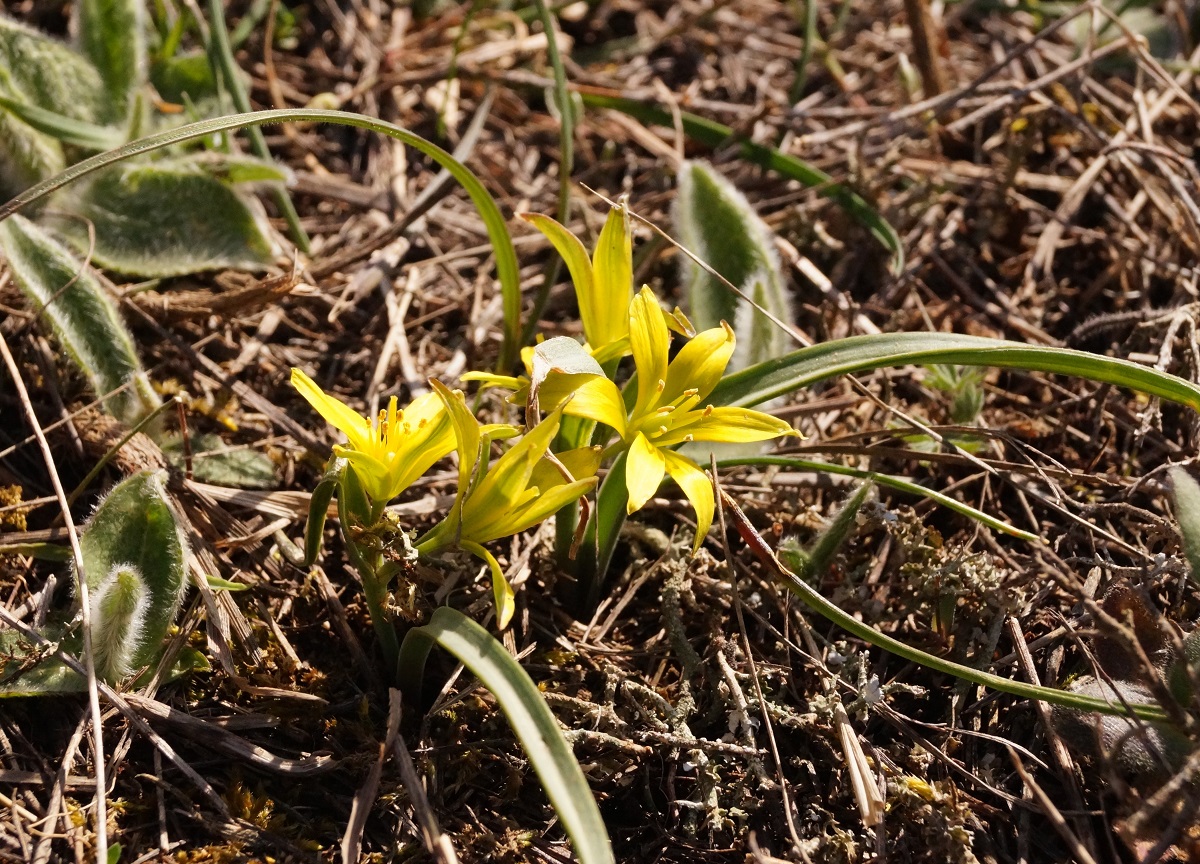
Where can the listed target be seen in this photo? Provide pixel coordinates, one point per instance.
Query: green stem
(241, 101)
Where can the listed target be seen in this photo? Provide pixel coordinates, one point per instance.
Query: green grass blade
(831, 612)
(714, 134)
(506, 257)
(900, 484)
(229, 68)
(527, 712)
(68, 130)
(863, 353)
(566, 157)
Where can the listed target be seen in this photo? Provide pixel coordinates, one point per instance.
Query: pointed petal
(545, 504)
(698, 489)
(612, 280)
(598, 399)
(502, 592)
(733, 425)
(581, 463)
(578, 263)
(466, 434)
(699, 364)
(372, 474)
(644, 468)
(650, 341)
(335, 412)
(506, 382)
(507, 480)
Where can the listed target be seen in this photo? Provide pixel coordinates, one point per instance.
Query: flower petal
(335, 412)
(699, 364)
(598, 399)
(466, 434)
(734, 425)
(698, 489)
(650, 341)
(612, 280)
(578, 263)
(644, 469)
(546, 504)
(502, 592)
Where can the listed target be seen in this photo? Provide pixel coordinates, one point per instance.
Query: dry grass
(1045, 196)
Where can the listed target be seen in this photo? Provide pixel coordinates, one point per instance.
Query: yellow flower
(603, 284)
(670, 410)
(389, 454)
(520, 490)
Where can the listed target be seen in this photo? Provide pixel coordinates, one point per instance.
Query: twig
(89, 663)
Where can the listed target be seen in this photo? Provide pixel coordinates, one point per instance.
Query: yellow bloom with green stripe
(391, 452)
(522, 488)
(670, 410)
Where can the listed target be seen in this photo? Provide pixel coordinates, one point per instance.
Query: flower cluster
(662, 406)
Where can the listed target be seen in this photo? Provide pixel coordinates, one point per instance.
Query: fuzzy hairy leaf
(717, 223)
(67, 293)
(119, 608)
(165, 219)
(29, 669)
(135, 526)
(41, 72)
(112, 35)
(1187, 511)
(214, 461)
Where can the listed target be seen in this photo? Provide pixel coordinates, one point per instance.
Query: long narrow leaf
(862, 353)
(901, 484)
(527, 712)
(68, 130)
(506, 257)
(716, 135)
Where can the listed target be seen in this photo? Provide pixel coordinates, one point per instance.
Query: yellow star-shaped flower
(391, 452)
(669, 409)
(522, 488)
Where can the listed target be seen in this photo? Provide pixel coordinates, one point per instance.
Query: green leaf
(27, 669)
(899, 483)
(165, 219)
(38, 70)
(862, 353)
(112, 34)
(507, 270)
(27, 156)
(318, 507)
(527, 712)
(213, 461)
(83, 318)
(716, 222)
(219, 584)
(135, 526)
(184, 77)
(715, 134)
(68, 130)
(1187, 511)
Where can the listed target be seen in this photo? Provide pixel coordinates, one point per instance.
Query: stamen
(689, 438)
(662, 385)
(662, 430)
(691, 391)
(666, 409)
(708, 411)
